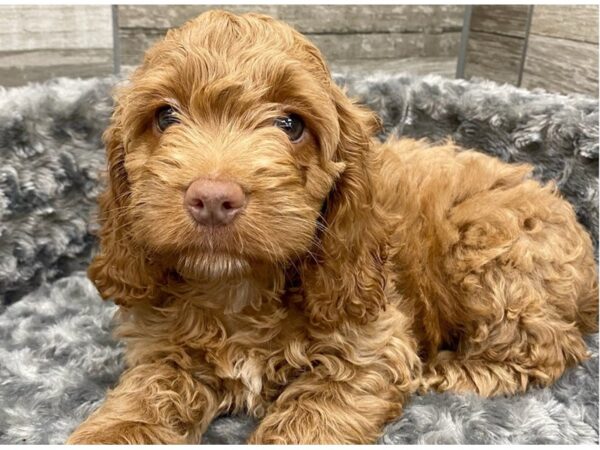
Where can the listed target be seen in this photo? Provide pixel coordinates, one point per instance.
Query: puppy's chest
(256, 364)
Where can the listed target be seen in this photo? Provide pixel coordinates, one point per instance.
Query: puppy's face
(229, 131)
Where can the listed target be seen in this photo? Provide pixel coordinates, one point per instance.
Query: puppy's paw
(314, 425)
(280, 428)
(294, 425)
(124, 433)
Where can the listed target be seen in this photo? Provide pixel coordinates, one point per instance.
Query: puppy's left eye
(292, 125)
(165, 117)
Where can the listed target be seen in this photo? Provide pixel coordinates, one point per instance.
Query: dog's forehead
(224, 66)
(250, 43)
(219, 51)
(221, 30)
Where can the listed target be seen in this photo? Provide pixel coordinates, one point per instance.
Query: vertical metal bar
(464, 38)
(116, 44)
(525, 44)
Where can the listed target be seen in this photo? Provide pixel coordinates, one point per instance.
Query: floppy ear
(120, 269)
(349, 280)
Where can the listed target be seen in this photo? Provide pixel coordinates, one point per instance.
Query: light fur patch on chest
(246, 369)
(244, 294)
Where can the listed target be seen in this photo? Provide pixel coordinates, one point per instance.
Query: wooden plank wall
(405, 37)
(41, 42)
(549, 47)
(496, 42)
(562, 53)
(553, 47)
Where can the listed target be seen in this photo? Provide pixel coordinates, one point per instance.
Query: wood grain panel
(344, 32)
(18, 68)
(576, 22)
(55, 27)
(494, 57)
(507, 20)
(134, 42)
(310, 18)
(41, 42)
(386, 45)
(561, 65)
(442, 65)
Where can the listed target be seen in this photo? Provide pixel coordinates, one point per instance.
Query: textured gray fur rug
(56, 355)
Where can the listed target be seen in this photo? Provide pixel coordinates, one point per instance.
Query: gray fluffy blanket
(57, 358)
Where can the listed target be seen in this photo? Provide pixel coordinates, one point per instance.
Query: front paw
(280, 428)
(124, 433)
(298, 425)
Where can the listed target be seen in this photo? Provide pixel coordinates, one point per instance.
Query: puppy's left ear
(120, 269)
(348, 282)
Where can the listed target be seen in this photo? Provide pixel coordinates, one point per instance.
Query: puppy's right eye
(292, 125)
(165, 117)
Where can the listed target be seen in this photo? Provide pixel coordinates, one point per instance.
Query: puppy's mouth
(219, 242)
(214, 253)
(212, 265)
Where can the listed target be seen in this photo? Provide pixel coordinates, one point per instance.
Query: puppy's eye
(291, 125)
(165, 117)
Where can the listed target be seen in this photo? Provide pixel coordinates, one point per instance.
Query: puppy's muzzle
(214, 202)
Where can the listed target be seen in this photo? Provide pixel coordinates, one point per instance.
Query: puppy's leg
(516, 340)
(358, 381)
(152, 404)
(452, 372)
(319, 410)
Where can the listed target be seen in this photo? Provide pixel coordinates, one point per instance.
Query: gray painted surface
(380, 36)
(41, 42)
(551, 47)
(562, 52)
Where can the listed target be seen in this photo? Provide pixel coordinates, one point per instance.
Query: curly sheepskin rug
(57, 358)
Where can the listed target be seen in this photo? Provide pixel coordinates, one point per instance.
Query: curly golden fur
(357, 273)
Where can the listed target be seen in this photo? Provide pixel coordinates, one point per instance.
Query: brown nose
(213, 202)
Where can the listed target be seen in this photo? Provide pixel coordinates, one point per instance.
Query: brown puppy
(269, 257)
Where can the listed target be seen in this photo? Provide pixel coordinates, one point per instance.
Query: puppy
(270, 257)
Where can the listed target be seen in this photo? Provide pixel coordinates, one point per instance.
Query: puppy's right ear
(120, 269)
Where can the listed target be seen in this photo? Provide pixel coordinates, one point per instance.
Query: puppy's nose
(213, 202)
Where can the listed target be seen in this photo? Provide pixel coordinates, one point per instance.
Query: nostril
(197, 203)
(227, 206)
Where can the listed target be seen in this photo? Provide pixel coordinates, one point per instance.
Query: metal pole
(525, 44)
(464, 38)
(116, 45)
